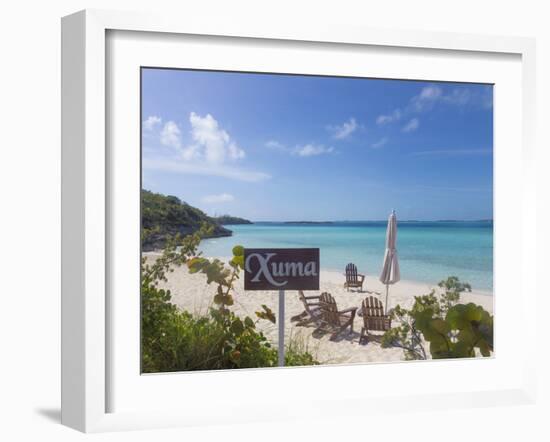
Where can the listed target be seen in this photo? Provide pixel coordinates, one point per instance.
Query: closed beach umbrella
(390, 268)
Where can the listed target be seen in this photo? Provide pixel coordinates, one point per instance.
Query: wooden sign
(281, 269)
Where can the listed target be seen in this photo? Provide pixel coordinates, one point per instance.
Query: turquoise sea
(428, 251)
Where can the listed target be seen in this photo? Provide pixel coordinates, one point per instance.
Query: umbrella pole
(386, 308)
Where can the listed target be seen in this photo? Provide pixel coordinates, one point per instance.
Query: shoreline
(334, 274)
(190, 292)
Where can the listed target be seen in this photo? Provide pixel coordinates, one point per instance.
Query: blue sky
(282, 147)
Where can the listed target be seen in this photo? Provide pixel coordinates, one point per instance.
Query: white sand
(191, 292)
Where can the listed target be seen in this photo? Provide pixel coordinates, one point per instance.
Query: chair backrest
(307, 307)
(329, 308)
(351, 273)
(373, 314)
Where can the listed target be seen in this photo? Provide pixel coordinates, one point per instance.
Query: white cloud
(202, 168)
(171, 135)
(305, 150)
(344, 130)
(412, 125)
(191, 152)
(310, 150)
(221, 198)
(389, 118)
(151, 122)
(459, 97)
(211, 142)
(428, 96)
(274, 144)
(210, 152)
(235, 152)
(430, 93)
(380, 143)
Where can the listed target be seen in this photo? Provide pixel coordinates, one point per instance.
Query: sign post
(281, 269)
(281, 328)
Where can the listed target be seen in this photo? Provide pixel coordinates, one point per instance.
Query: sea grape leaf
(267, 313)
(463, 350)
(439, 348)
(196, 264)
(238, 251)
(467, 336)
(473, 312)
(439, 325)
(237, 326)
(484, 348)
(238, 261)
(456, 317)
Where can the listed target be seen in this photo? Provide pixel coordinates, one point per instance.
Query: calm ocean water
(428, 251)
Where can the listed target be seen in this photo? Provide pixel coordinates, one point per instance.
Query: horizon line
(373, 221)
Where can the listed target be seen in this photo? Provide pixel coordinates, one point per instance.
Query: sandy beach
(191, 292)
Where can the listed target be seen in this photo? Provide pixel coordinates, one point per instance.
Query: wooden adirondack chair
(312, 309)
(374, 318)
(334, 318)
(353, 279)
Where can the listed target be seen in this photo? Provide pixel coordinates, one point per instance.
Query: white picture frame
(87, 207)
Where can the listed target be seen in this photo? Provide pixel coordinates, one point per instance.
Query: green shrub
(452, 330)
(464, 328)
(188, 342)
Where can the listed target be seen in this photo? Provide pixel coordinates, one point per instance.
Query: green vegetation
(163, 216)
(452, 330)
(175, 340)
(228, 220)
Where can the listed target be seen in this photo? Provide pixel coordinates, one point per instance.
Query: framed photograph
(251, 214)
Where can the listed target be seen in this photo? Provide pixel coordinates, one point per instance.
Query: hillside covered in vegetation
(167, 215)
(228, 220)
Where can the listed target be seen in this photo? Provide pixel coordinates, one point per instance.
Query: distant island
(308, 222)
(228, 220)
(163, 215)
(464, 221)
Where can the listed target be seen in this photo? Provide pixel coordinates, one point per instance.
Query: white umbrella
(390, 268)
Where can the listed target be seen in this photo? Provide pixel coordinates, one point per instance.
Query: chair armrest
(362, 276)
(348, 310)
(312, 297)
